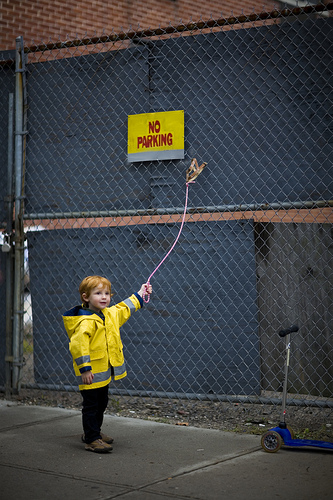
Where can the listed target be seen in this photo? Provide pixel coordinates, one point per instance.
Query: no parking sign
(156, 136)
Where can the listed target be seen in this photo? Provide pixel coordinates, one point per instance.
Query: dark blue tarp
(7, 86)
(2, 318)
(256, 104)
(199, 332)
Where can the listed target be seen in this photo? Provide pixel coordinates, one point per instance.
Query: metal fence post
(9, 254)
(19, 231)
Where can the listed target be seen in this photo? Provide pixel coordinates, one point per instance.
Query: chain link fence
(255, 253)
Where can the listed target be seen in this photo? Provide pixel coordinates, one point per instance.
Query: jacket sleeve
(79, 346)
(127, 307)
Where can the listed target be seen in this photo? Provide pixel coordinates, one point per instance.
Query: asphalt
(42, 458)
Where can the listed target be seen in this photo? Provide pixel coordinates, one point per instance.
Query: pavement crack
(35, 422)
(126, 488)
(63, 475)
(149, 487)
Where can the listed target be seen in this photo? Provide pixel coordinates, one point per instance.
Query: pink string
(146, 299)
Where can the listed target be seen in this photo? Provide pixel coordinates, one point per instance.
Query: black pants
(94, 404)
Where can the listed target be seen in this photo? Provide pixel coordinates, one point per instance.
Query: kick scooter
(273, 439)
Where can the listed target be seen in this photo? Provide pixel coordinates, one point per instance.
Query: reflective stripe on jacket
(96, 344)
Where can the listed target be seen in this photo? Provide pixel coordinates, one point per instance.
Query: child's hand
(145, 288)
(87, 377)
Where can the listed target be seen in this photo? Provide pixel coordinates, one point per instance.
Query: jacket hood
(75, 316)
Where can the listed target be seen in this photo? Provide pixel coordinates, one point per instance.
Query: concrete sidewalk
(42, 458)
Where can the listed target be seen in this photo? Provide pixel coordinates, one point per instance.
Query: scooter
(273, 439)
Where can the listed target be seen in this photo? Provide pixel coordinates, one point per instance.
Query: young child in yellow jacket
(97, 350)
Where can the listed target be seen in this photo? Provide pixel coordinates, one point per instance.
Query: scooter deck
(288, 441)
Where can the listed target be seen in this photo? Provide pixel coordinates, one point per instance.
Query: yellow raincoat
(95, 344)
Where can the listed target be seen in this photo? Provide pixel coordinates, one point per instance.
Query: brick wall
(38, 20)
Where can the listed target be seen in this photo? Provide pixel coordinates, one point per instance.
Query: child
(97, 351)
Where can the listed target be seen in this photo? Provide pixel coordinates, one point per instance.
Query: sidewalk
(42, 458)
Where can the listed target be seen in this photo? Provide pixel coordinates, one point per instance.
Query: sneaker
(106, 439)
(98, 446)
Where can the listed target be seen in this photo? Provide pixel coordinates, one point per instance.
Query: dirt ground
(306, 421)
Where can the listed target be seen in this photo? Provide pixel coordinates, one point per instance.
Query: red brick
(53, 18)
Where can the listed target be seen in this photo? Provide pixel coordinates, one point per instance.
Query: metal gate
(255, 252)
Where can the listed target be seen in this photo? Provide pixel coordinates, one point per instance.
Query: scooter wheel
(271, 441)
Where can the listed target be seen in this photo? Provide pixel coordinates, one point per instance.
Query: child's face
(98, 299)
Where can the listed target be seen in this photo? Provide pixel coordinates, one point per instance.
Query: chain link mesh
(255, 253)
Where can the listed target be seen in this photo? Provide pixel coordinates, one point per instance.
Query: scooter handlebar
(291, 329)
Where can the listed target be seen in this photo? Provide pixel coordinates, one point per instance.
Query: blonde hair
(90, 282)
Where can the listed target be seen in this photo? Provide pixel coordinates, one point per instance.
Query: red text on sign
(154, 140)
(154, 127)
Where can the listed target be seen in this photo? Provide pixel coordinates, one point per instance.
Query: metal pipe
(19, 233)
(9, 254)
(175, 210)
